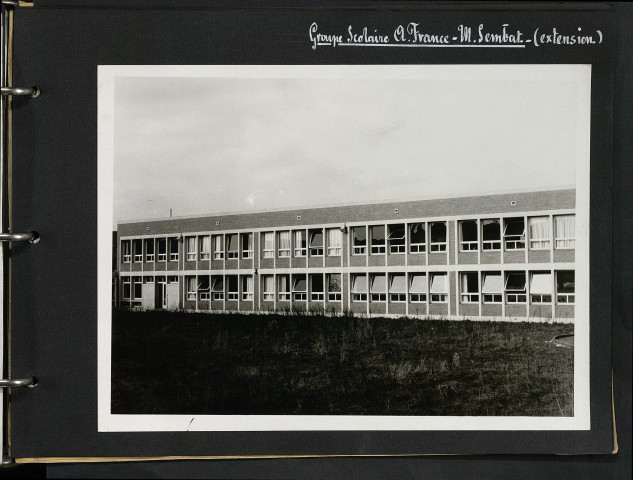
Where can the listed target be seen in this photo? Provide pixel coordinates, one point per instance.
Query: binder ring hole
(36, 92)
(34, 384)
(36, 237)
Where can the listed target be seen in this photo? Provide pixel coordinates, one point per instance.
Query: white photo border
(108, 422)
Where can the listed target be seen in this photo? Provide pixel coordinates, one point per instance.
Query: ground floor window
(541, 287)
(359, 287)
(439, 287)
(470, 287)
(492, 287)
(565, 287)
(417, 287)
(515, 287)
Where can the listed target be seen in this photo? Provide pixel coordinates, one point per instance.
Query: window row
(538, 233)
(474, 287)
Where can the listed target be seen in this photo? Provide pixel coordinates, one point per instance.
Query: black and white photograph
(337, 247)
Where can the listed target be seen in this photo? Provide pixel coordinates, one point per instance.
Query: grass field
(197, 363)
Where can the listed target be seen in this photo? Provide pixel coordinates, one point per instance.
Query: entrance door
(161, 292)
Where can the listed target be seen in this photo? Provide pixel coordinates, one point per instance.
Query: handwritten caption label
(412, 35)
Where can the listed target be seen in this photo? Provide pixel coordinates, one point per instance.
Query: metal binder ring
(32, 237)
(18, 382)
(11, 3)
(30, 91)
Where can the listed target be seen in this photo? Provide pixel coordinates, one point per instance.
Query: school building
(507, 256)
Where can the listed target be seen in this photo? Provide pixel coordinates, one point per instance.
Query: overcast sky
(211, 145)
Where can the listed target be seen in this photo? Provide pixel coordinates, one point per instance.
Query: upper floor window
(468, 235)
(417, 238)
(334, 242)
(316, 242)
(268, 250)
(192, 251)
(438, 237)
(137, 247)
(377, 239)
(205, 247)
(514, 233)
(232, 247)
(283, 244)
(247, 245)
(126, 251)
(174, 244)
(162, 249)
(540, 234)
(359, 240)
(565, 231)
(396, 238)
(149, 250)
(491, 234)
(218, 247)
(300, 243)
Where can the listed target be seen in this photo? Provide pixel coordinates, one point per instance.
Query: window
(438, 237)
(565, 231)
(565, 286)
(316, 287)
(126, 249)
(203, 288)
(300, 243)
(359, 287)
(173, 249)
(397, 287)
(334, 242)
(268, 250)
(162, 249)
(233, 293)
(149, 250)
(217, 287)
(377, 233)
(396, 239)
(127, 289)
(138, 287)
(148, 280)
(172, 279)
(417, 287)
(284, 244)
(316, 243)
(232, 247)
(191, 288)
(492, 287)
(359, 239)
(247, 245)
(514, 233)
(218, 247)
(334, 287)
(417, 237)
(470, 287)
(491, 234)
(192, 253)
(515, 287)
(299, 288)
(247, 287)
(539, 233)
(541, 287)
(205, 247)
(468, 232)
(268, 282)
(137, 247)
(439, 288)
(378, 287)
(283, 286)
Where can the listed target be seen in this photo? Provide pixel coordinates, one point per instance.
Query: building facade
(508, 256)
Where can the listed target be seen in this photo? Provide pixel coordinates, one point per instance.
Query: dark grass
(200, 363)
